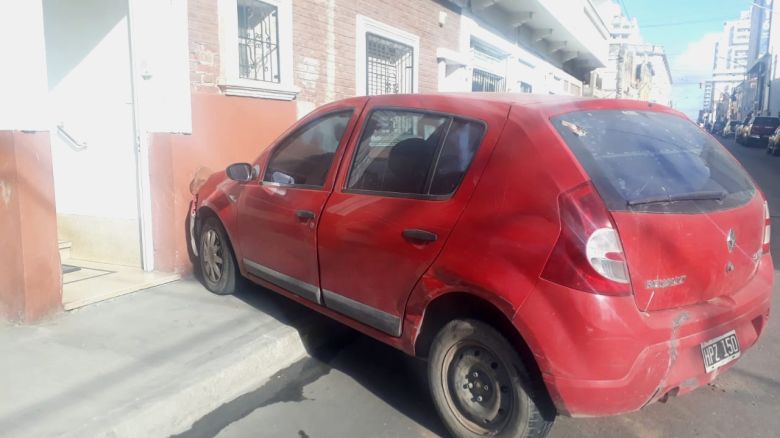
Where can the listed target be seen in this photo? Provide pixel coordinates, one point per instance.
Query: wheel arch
(462, 305)
(205, 212)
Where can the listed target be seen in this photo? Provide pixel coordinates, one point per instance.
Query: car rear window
(651, 161)
(767, 121)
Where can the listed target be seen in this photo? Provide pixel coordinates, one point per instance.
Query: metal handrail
(73, 143)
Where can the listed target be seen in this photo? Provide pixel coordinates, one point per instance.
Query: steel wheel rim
(478, 388)
(212, 256)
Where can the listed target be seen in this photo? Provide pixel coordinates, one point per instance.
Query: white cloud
(696, 59)
(690, 67)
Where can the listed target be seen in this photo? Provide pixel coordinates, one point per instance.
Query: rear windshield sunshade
(655, 162)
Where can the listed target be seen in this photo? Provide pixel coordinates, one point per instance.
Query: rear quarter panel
(502, 241)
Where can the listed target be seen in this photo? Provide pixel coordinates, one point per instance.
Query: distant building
(761, 94)
(730, 59)
(635, 69)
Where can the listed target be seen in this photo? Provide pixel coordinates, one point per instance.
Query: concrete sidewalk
(147, 364)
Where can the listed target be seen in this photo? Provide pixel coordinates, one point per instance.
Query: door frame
(141, 150)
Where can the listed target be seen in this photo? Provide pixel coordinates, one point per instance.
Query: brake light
(767, 229)
(588, 255)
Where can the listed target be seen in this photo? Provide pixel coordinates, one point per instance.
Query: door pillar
(30, 273)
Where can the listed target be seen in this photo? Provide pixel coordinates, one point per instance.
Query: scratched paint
(5, 192)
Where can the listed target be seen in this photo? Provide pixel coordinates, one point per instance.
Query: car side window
(304, 158)
(413, 153)
(460, 146)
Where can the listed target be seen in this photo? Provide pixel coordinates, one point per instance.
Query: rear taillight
(767, 229)
(588, 255)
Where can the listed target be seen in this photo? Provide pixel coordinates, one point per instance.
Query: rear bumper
(759, 138)
(608, 358)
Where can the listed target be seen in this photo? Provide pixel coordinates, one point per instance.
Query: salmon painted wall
(225, 130)
(30, 277)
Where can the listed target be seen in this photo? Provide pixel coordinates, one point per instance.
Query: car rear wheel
(480, 386)
(217, 264)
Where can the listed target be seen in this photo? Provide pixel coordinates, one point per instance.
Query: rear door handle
(305, 215)
(419, 235)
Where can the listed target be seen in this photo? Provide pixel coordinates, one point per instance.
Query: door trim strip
(364, 313)
(298, 287)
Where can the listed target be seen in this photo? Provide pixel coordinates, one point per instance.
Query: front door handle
(305, 215)
(419, 235)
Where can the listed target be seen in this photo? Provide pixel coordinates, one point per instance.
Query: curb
(176, 405)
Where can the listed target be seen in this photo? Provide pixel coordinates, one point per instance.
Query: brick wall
(324, 42)
(204, 45)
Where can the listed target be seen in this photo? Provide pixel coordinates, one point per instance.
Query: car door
(396, 200)
(278, 216)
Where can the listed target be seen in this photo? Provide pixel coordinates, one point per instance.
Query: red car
(547, 255)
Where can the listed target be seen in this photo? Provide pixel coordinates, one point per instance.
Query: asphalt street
(358, 387)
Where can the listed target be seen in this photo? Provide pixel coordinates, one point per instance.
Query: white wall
(90, 94)
(23, 92)
(582, 19)
(161, 62)
(521, 65)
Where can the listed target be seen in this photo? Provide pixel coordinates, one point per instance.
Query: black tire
(217, 263)
(481, 387)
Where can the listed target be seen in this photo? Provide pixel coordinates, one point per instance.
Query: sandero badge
(661, 283)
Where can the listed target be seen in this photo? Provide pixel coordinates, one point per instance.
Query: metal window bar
(389, 66)
(484, 81)
(258, 41)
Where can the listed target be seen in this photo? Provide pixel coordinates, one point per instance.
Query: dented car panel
(608, 357)
(605, 342)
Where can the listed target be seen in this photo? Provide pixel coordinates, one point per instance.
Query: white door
(92, 132)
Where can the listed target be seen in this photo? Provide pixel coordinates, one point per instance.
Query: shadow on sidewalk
(391, 375)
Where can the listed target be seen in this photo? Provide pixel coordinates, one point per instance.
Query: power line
(625, 9)
(681, 23)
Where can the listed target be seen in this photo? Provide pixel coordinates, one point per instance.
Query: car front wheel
(217, 265)
(480, 386)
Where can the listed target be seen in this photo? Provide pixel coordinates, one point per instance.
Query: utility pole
(619, 77)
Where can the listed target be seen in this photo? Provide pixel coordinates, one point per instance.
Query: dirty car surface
(611, 251)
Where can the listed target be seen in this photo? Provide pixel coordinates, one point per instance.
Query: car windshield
(644, 160)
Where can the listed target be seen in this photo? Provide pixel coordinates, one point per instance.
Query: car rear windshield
(655, 162)
(767, 121)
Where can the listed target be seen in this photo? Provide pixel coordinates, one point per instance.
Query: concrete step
(64, 246)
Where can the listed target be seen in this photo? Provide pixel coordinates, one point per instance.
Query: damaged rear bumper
(610, 358)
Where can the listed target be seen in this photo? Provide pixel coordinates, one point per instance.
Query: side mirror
(241, 172)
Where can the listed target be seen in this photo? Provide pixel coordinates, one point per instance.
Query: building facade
(112, 106)
(729, 65)
(758, 94)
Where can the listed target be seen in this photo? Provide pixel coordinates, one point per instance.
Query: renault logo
(731, 240)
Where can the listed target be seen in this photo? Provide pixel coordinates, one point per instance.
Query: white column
(23, 83)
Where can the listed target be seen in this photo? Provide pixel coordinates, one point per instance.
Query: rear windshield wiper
(690, 196)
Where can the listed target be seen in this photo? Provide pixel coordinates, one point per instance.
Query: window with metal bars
(389, 66)
(484, 81)
(258, 41)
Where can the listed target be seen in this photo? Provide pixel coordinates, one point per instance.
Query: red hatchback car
(546, 255)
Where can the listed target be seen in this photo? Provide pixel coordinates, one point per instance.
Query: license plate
(720, 351)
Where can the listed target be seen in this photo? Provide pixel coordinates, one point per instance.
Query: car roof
(551, 104)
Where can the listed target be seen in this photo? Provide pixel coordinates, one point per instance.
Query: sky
(688, 30)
